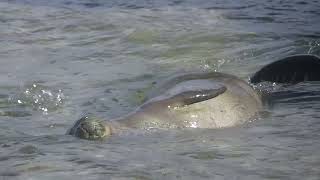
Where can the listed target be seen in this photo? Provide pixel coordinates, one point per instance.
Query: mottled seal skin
(202, 100)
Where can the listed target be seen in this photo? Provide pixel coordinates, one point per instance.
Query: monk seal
(203, 100)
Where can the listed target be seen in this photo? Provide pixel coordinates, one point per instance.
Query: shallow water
(66, 58)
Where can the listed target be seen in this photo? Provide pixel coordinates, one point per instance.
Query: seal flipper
(292, 69)
(191, 97)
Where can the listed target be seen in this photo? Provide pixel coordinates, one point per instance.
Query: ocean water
(60, 60)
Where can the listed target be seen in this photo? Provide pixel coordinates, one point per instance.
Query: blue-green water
(62, 59)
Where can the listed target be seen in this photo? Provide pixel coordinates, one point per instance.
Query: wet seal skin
(202, 100)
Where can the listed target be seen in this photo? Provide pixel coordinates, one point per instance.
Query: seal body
(238, 103)
(203, 100)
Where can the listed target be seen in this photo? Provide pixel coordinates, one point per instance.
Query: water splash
(216, 66)
(313, 46)
(267, 87)
(39, 97)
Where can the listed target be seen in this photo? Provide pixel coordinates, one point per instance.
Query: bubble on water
(206, 66)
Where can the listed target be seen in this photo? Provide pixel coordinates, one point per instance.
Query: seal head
(91, 128)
